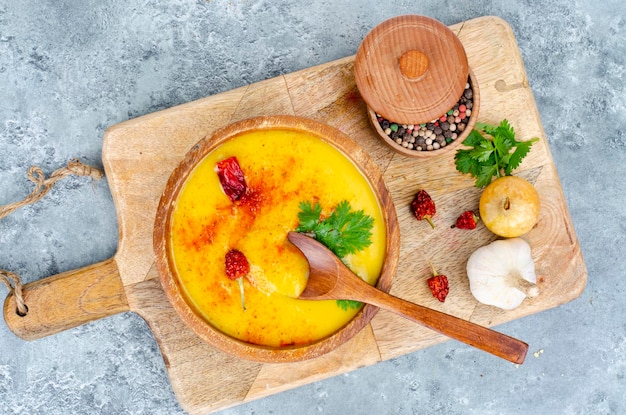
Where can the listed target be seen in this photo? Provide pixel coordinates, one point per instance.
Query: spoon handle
(475, 335)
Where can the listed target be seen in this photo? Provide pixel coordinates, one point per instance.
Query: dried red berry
(231, 178)
(467, 220)
(423, 207)
(439, 287)
(237, 265)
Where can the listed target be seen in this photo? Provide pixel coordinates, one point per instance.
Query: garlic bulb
(502, 274)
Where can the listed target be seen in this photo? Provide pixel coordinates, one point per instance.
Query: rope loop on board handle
(42, 187)
(14, 284)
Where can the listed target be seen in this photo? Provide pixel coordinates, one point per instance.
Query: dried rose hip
(423, 207)
(231, 178)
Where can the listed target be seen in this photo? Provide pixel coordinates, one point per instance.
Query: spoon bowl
(329, 278)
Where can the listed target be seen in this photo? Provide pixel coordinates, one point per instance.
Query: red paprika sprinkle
(231, 178)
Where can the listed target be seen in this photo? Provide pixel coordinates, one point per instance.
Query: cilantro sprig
(344, 231)
(495, 152)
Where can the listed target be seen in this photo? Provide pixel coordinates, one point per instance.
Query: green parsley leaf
(349, 304)
(474, 138)
(505, 130)
(344, 232)
(465, 163)
(494, 152)
(485, 175)
(516, 157)
(309, 216)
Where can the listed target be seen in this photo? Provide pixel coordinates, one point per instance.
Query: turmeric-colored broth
(282, 168)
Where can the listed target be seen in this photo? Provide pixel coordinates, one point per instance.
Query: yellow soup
(282, 168)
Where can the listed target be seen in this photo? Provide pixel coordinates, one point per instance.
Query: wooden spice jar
(413, 73)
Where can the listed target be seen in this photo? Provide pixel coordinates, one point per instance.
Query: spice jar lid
(411, 69)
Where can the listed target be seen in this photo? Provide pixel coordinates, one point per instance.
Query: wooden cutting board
(140, 154)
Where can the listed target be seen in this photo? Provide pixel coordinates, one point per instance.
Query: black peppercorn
(436, 134)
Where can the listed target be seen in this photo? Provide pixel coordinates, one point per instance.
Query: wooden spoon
(330, 279)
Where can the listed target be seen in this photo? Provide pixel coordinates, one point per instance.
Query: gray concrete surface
(71, 68)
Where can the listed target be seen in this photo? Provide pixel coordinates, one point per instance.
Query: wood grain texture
(68, 300)
(411, 69)
(140, 154)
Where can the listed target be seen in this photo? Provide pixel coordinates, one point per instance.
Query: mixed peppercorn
(435, 134)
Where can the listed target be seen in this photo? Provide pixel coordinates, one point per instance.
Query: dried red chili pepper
(438, 285)
(423, 207)
(467, 220)
(237, 264)
(237, 267)
(231, 178)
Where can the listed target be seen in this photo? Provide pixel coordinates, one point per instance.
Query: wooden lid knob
(411, 69)
(413, 64)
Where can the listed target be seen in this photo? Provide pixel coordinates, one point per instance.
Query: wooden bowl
(413, 69)
(166, 268)
(440, 151)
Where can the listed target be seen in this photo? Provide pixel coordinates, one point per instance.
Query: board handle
(67, 300)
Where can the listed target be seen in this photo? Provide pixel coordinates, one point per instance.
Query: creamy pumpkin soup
(280, 169)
